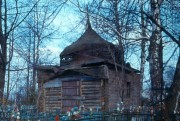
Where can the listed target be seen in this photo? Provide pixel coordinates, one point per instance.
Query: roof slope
(89, 38)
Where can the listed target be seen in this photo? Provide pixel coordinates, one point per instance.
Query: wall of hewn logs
(123, 88)
(103, 93)
(53, 98)
(90, 94)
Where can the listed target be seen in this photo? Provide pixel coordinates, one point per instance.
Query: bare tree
(3, 49)
(155, 54)
(34, 35)
(143, 44)
(8, 23)
(14, 14)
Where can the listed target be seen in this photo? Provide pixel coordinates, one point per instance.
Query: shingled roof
(85, 42)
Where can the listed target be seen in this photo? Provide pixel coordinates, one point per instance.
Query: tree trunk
(143, 45)
(155, 55)
(3, 49)
(8, 82)
(176, 86)
(120, 48)
(2, 78)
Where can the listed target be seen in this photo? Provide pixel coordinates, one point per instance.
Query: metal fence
(30, 113)
(127, 117)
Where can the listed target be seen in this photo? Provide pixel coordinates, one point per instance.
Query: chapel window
(128, 89)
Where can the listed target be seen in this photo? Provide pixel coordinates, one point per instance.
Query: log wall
(53, 98)
(92, 94)
(123, 89)
(103, 93)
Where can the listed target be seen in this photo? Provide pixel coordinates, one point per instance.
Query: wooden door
(70, 93)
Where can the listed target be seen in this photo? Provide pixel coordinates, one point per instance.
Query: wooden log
(91, 89)
(90, 92)
(54, 88)
(92, 101)
(72, 98)
(52, 105)
(90, 83)
(90, 86)
(91, 97)
(53, 94)
(53, 101)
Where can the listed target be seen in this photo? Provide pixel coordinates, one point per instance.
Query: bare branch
(163, 29)
(14, 26)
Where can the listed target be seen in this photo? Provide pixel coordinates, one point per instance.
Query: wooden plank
(51, 91)
(53, 99)
(53, 103)
(90, 92)
(72, 97)
(53, 109)
(54, 89)
(91, 89)
(92, 95)
(91, 101)
(87, 106)
(90, 86)
(48, 109)
(53, 94)
(70, 87)
(57, 107)
(90, 83)
(91, 106)
(91, 98)
(61, 100)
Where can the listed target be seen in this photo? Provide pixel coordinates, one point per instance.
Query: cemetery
(89, 86)
(30, 113)
(89, 60)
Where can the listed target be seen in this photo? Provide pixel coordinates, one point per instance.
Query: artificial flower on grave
(18, 116)
(75, 113)
(57, 118)
(69, 113)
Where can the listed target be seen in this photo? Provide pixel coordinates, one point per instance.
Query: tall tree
(155, 53)
(3, 50)
(143, 44)
(8, 23)
(35, 34)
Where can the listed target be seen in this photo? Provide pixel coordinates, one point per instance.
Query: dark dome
(88, 40)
